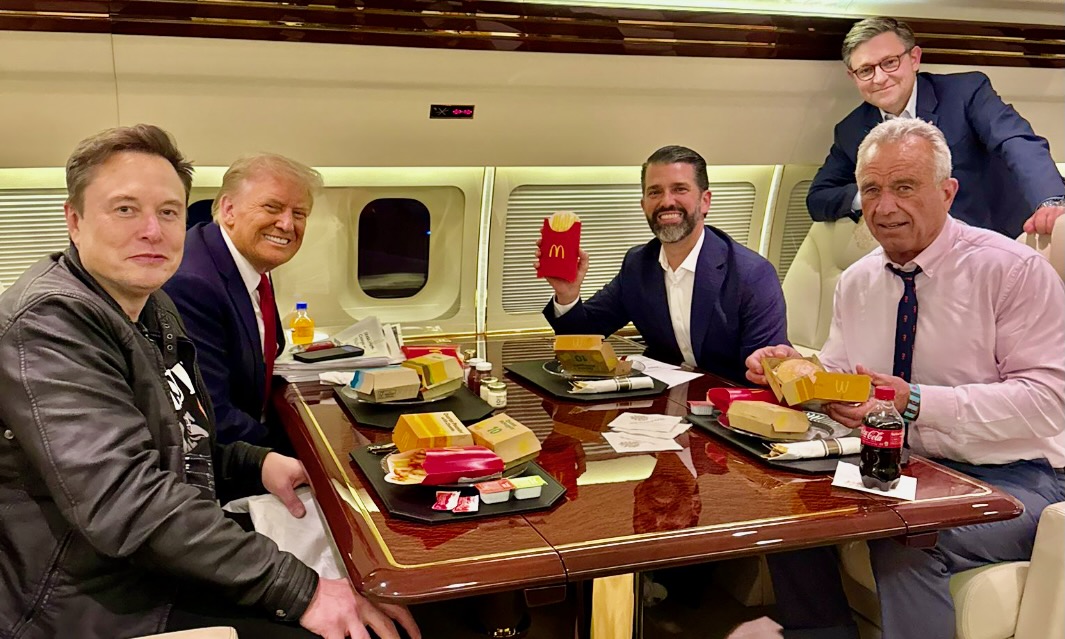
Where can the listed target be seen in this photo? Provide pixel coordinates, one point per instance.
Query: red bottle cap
(884, 392)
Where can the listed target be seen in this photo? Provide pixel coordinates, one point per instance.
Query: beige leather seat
(1051, 246)
(1018, 600)
(1022, 600)
(200, 633)
(829, 248)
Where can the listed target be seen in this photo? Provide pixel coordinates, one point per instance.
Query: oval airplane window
(393, 248)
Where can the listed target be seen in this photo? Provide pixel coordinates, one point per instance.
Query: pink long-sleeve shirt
(989, 354)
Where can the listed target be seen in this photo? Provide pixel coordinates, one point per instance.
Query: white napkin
(815, 449)
(612, 385)
(340, 378)
(849, 476)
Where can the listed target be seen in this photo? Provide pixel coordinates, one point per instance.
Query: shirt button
(9, 435)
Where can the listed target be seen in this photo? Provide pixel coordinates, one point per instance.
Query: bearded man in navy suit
(225, 295)
(1007, 179)
(695, 295)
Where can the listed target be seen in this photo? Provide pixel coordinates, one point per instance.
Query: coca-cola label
(881, 438)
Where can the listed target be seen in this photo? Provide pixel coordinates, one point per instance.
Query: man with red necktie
(225, 295)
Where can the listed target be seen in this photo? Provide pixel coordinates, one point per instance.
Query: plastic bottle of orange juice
(302, 325)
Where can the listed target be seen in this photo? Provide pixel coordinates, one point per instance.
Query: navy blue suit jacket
(737, 306)
(218, 313)
(1004, 169)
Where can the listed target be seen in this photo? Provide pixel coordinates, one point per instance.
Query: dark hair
(674, 154)
(867, 29)
(98, 149)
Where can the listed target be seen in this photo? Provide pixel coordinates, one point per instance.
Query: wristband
(913, 406)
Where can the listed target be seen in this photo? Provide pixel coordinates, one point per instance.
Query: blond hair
(249, 166)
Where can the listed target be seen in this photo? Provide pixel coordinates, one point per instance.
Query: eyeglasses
(888, 64)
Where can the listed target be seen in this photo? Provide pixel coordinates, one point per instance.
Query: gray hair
(867, 29)
(249, 166)
(902, 129)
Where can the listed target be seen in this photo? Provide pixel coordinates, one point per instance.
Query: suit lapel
(927, 102)
(657, 303)
(706, 294)
(238, 295)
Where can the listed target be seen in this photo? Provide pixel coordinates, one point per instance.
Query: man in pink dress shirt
(979, 377)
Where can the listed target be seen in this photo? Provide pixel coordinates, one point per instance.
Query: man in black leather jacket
(109, 469)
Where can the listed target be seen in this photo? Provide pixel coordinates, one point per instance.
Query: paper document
(628, 443)
(374, 339)
(669, 374)
(644, 433)
(848, 476)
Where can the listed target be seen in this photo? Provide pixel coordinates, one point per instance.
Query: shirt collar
(933, 254)
(689, 262)
(247, 272)
(911, 107)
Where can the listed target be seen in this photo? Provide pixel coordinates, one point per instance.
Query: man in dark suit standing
(695, 295)
(1007, 177)
(224, 293)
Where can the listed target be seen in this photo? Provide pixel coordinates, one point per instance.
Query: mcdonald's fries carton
(509, 438)
(430, 430)
(795, 381)
(589, 355)
(560, 244)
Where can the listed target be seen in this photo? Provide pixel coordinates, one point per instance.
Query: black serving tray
(756, 447)
(467, 407)
(533, 373)
(415, 502)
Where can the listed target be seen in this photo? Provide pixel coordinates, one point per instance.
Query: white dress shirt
(251, 279)
(909, 112)
(989, 352)
(680, 287)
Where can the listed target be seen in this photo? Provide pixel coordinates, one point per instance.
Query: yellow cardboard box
(589, 355)
(430, 430)
(435, 368)
(386, 384)
(507, 437)
(768, 420)
(823, 386)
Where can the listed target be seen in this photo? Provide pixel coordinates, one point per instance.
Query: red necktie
(267, 307)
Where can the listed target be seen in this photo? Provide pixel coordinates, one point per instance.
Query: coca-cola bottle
(882, 433)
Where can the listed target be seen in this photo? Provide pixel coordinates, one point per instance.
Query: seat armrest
(1042, 611)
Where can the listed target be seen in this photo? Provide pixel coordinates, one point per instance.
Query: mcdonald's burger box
(387, 384)
(430, 430)
(589, 355)
(768, 420)
(798, 380)
(440, 374)
(560, 246)
(506, 437)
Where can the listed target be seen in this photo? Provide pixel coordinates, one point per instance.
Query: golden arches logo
(557, 250)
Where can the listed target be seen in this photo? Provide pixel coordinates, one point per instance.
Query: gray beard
(675, 232)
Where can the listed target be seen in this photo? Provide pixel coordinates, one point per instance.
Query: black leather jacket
(98, 529)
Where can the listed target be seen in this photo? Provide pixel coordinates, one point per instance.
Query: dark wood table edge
(378, 583)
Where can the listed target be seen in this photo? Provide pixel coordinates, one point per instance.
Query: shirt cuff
(562, 309)
(939, 412)
(856, 203)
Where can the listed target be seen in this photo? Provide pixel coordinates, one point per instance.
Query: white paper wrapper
(612, 385)
(815, 449)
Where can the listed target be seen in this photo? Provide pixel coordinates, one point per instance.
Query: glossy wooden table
(622, 513)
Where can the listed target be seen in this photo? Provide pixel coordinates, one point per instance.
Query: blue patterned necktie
(905, 323)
